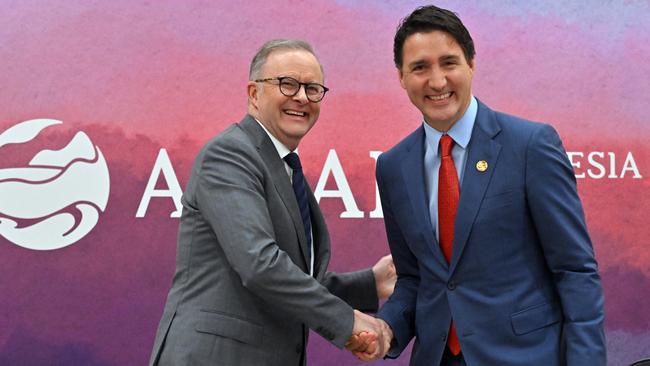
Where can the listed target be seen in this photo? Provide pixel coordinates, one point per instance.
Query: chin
(299, 131)
(296, 134)
(444, 116)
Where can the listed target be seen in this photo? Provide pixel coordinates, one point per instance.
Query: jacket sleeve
(358, 288)
(399, 310)
(559, 219)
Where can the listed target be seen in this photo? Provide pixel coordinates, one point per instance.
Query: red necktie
(448, 194)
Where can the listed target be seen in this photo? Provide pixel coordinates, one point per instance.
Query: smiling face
(286, 118)
(437, 77)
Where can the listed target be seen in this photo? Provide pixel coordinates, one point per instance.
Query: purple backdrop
(140, 76)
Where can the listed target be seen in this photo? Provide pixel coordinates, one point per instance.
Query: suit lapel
(413, 177)
(481, 147)
(279, 177)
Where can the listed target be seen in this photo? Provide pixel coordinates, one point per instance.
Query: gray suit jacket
(241, 294)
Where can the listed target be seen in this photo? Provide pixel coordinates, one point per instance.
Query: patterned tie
(448, 194)
(300, 189)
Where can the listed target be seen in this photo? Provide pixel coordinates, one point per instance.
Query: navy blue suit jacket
(523, 286)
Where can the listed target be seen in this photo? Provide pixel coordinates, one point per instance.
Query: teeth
(294, 113)
(439, 97)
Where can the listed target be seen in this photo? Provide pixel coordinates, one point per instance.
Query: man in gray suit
(253, 247)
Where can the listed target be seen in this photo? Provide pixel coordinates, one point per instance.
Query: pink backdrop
(140, 76)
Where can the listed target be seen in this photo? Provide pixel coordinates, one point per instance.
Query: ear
(400, 75)
(472, 64)
(252, 92)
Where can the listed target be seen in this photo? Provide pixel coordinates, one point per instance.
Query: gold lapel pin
(481, 165)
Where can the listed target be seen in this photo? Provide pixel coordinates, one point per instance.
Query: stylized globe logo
(54, 201)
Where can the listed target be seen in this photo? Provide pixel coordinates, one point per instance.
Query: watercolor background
(138, 76)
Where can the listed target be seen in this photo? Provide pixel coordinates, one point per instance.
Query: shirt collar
(461, 131)
(282, 150)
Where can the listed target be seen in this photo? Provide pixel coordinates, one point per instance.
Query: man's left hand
(385, 277)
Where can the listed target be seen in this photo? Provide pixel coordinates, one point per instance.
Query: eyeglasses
(290, 87)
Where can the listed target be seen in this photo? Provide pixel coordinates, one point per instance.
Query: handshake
(370, 339)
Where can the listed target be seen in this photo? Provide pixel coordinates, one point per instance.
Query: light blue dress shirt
(461, 132)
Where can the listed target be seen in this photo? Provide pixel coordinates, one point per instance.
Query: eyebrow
(418, 63)
(450, 58)
(296, 79)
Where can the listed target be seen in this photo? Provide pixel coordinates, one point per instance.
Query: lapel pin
(482, 165)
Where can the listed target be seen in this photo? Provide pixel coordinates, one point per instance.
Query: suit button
(298, 348)
(451, 285)
(444, 338)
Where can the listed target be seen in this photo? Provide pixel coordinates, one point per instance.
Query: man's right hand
(371, 337)
(365, 332)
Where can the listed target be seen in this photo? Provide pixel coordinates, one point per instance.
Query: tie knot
(446, 144)
(293, 160)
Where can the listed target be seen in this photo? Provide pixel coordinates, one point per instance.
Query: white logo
(56, 199)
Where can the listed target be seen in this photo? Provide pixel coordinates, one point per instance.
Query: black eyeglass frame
(304, 85)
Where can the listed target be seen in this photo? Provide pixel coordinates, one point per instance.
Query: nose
(437, 80)
(301, 95)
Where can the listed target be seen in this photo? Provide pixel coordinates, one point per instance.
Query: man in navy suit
(494, 262)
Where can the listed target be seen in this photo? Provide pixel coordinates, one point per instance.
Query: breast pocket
(502, 199)
(229, 326)
(501, 205)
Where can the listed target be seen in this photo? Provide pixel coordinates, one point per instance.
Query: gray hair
(277, 44)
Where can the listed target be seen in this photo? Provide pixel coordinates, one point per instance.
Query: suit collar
(486, 120)
(279, 146)
(280, 179)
